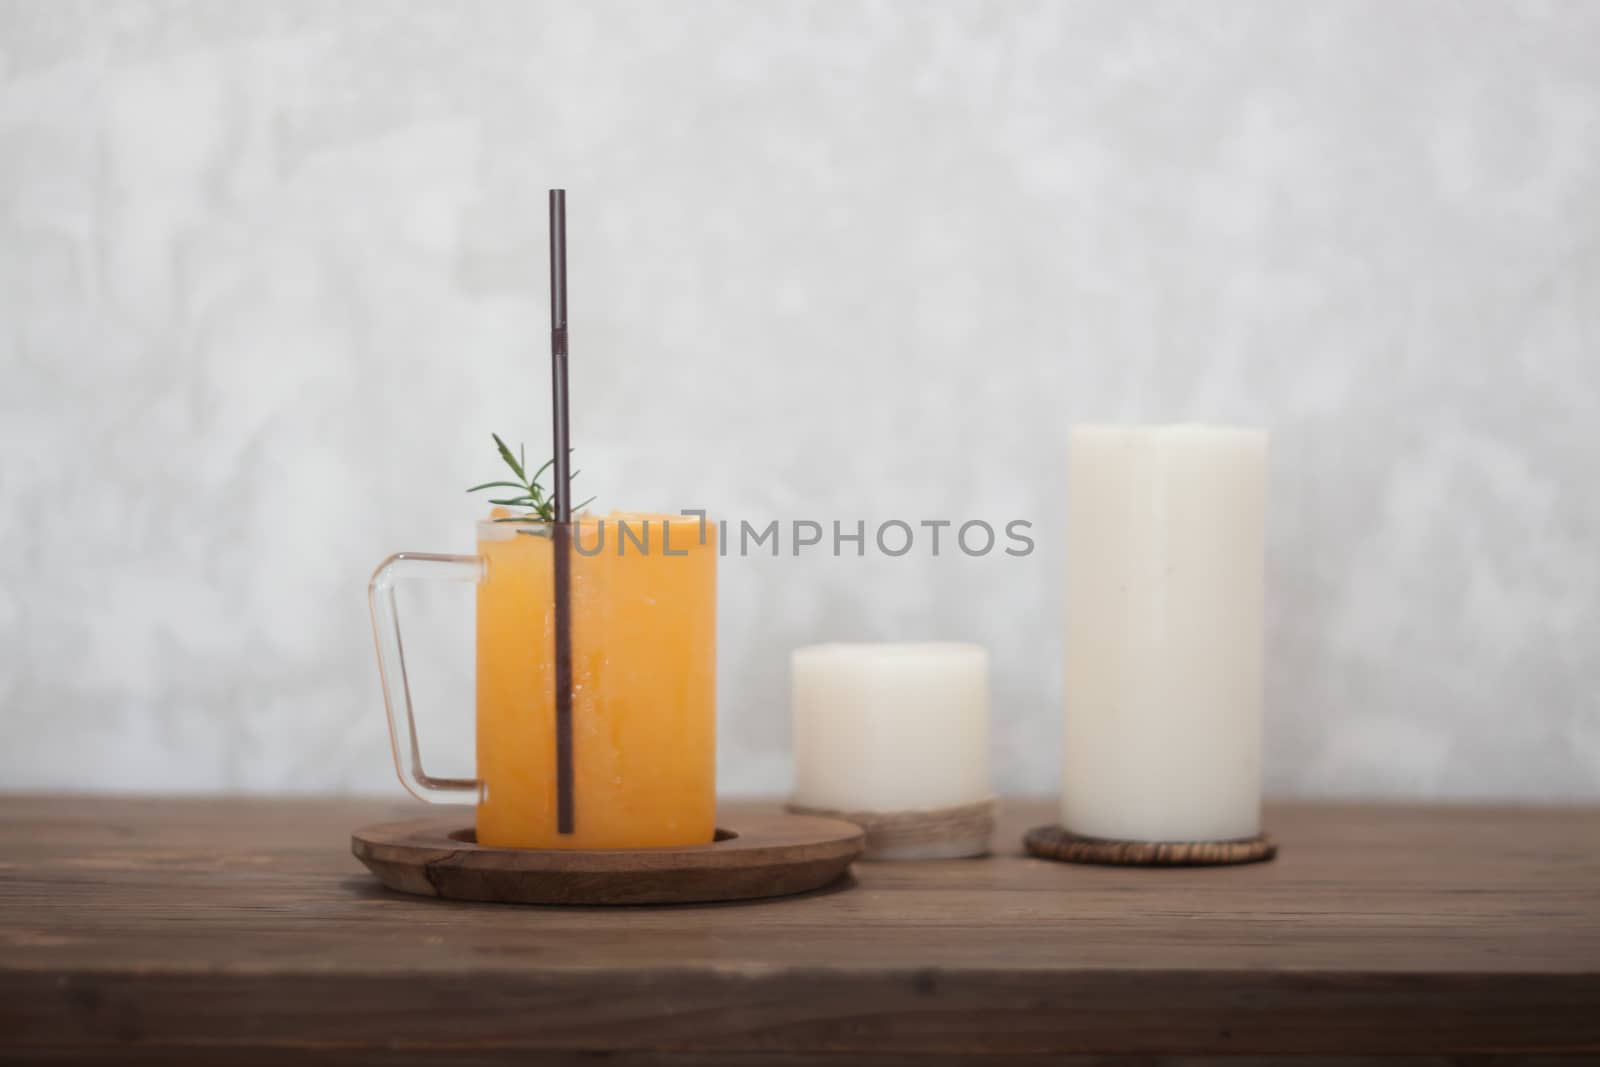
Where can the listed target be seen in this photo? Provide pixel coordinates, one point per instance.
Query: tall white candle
(1165, 590)
(897, 737)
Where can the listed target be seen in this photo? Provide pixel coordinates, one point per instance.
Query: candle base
(936, 834)
(1057, 843)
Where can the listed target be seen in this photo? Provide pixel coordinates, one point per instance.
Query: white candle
(892, 729)
(1165, 590)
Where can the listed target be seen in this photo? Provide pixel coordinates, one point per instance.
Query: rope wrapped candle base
(937, 834)
(1056, 843)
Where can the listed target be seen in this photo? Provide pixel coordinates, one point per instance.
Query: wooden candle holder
(1055, 843)
(938, 834)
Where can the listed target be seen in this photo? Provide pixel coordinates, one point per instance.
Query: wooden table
(241, 930)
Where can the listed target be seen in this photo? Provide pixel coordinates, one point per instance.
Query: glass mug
(643, 593)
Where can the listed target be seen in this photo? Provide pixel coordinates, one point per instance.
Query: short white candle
(890, 727)
(1165, 589)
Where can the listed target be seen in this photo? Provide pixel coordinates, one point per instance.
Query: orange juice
(643, 684)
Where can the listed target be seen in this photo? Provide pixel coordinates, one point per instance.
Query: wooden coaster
(760, 855)
(1055, 843)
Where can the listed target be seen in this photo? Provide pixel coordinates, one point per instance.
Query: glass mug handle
(403, 567)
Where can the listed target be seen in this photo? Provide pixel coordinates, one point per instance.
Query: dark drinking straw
(562, 533)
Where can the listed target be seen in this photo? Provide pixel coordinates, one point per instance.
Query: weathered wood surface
(243, 930)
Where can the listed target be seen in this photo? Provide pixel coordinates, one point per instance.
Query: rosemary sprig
(532, 495)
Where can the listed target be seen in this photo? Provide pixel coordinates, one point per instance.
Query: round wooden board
(1056, 843)
(759, 855)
